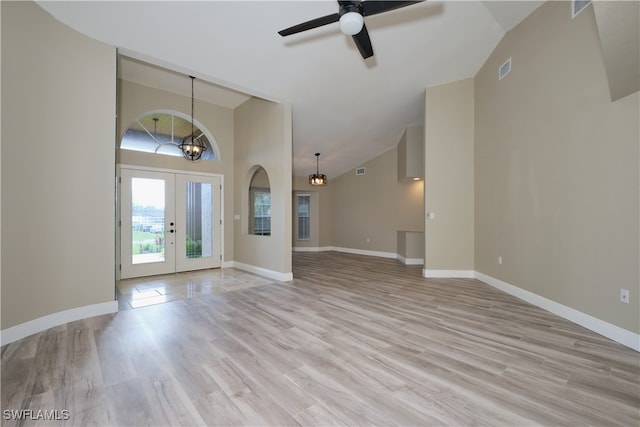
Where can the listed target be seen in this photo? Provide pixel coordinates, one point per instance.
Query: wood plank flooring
(353, 340)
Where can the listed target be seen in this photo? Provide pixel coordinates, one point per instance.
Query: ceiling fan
(351, 17)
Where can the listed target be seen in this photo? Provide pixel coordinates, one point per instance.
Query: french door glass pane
(147, 220)
(199, 205)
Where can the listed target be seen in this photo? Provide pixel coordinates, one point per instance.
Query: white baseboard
(312, 248)
(410, 261)
(40, 324)
(275, 275)
(227, 264)
(406, 261)
(443, 274)
(616, 333)
(365, 252)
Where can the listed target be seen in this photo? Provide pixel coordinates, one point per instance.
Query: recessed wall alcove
(259, 202)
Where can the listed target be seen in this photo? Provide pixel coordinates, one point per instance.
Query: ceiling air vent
(360, 171)
(578, 6)
(504, 69)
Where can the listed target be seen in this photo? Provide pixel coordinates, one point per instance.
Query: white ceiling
(348, 109)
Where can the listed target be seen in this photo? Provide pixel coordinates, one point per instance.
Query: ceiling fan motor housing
(351, 19)
(349, 6)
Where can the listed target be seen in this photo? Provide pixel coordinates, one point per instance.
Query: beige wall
(557, 169)
(619, 33)
(260, 179)
(135, 101)
(58, 156)
(411, 245)
(263, 138)
(411, 154)
(375, 206)
(449, 190)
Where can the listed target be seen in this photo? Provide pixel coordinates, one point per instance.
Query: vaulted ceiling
(344, 107)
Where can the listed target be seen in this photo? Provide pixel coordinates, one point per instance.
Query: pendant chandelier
(191, 147)
(317, 178)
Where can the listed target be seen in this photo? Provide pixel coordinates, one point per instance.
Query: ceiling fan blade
(375, 7)
(363, 42)
(309, 25)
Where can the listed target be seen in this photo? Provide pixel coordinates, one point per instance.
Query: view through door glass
(147, 238)
(199, 204)
(147, 220)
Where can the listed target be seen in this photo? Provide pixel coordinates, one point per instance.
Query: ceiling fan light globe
(351, 23)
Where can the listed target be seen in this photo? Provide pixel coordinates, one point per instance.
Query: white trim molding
(345, 250)
(451, 274)
(155, 169)
(410, 261)
(40, 324)
(227, 264)
(311, 248)
(406, 261)
(616, 333)
(275, 275)
(365, 252)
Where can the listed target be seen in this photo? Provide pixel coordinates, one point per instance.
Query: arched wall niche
(257, 193)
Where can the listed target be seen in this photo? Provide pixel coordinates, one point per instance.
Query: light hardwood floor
(353, 340)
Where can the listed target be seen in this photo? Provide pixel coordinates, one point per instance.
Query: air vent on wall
(360, 171)
(504, 69)
(578, 6)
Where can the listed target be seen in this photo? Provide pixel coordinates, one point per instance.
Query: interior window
(260, 204)
(162, 133)
(304, 216)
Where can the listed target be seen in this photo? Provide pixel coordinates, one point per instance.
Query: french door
(170, 222)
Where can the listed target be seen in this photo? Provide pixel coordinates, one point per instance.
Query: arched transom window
(161, 132)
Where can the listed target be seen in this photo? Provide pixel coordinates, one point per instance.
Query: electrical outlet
(500, 260)
(624, 296)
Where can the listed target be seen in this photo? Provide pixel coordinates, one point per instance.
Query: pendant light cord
(192, 80)
(192, 150)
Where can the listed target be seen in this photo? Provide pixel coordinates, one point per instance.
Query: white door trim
(176, 171)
